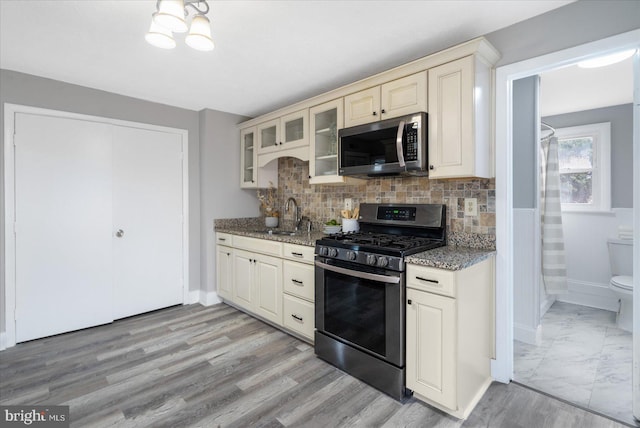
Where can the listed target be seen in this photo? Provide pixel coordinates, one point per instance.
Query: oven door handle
(364, 275)
(399, 144)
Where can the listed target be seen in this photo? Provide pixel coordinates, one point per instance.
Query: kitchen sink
(278, 232)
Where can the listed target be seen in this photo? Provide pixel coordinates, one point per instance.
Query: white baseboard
(546, 304)
(590, 294)
(208, 298)
(526, 334)
(194, 297)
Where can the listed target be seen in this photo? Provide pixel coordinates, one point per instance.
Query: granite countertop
(464, 250)
(451, 257)
(302, 238)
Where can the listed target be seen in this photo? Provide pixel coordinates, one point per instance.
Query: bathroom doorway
(508, 226)
(574, 349)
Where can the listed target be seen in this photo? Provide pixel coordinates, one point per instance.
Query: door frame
(502, 366)
(8, 338)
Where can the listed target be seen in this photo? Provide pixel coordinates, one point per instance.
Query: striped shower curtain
(554, 271)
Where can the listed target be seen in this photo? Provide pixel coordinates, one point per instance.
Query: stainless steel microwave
(395, 146)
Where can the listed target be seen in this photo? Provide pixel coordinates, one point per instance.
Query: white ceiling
(268, 53)
(572, 88)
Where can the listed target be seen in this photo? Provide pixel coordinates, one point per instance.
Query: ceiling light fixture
(170, 17)
(603, 61)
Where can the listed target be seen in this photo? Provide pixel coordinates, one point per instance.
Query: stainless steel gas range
(360, 290)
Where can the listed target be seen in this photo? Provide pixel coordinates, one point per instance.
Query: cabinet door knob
(275, 144)
(431, 167)
(280, 142)
(382, 111)
(309, 176)
(120, 233)
(409, 302)
(375, 113)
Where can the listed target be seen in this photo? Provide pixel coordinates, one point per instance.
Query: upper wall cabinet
(285, 136)
(459, 119)
(251, 176)
(396, 98)
(325, 120)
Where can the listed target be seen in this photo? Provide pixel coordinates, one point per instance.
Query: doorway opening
(507, 224)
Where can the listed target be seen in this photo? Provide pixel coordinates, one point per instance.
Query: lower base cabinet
(269, 279)
(450, 329)
(258, 284)
(299, 315)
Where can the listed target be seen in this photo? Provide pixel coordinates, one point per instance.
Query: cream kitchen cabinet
(251, 175)
(269, 279)
(450, 331)
(258, 284)
(325, 120)
(299, 288)
(257, 277)
(285, 136)
(396, 98)
(459, 119)
(224, 266)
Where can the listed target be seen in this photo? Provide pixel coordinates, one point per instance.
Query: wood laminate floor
(195, 366)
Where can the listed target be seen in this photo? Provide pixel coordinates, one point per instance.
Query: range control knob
(371, 259)
(383, 261)
(351, 255)
(333, 252)
(323, 251)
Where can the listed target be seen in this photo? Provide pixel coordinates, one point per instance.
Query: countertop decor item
(268, 200)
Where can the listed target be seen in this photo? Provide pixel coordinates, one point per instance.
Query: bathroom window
(584, 155)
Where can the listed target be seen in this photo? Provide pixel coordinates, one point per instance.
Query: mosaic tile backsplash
(324, 202)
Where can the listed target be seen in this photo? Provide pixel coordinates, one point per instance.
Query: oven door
(362, 307)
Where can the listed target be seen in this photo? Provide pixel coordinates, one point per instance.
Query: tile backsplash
(324, 202)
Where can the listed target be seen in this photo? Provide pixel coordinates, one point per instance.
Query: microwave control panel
(411, 152)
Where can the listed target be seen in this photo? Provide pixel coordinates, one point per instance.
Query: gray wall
(571, 25)
(621, 118)
(25, 89)
(221, 196)
(525, 119)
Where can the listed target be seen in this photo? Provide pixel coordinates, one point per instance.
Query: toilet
(621, 261)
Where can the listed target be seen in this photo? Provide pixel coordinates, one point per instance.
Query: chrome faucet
(296, 214)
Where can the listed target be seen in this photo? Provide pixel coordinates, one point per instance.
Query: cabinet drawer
(299, 280)
(299, 316)
(224, 239)
(263, 246)
(300, 253)
(432, 280)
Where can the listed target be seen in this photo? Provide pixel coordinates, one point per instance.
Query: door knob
(120, 233)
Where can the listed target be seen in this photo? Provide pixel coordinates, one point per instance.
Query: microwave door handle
(399, 144)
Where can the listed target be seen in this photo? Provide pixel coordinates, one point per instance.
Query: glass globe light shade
(160, 37)
(170, 15)
(200, 34)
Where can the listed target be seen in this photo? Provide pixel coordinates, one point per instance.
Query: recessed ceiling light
(603, 61)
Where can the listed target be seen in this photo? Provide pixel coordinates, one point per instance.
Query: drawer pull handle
(222, 239)
(295, 281)
(297, 317)
(296, 254)
(427, 280)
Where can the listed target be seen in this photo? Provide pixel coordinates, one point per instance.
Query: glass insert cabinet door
(295, 129)
(248, 152)
(326, 119)
(268, 134)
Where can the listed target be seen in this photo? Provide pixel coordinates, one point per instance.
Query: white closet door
(63, 225)
(147, 207)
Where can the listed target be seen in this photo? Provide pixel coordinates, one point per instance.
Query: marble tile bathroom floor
(583, 358)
